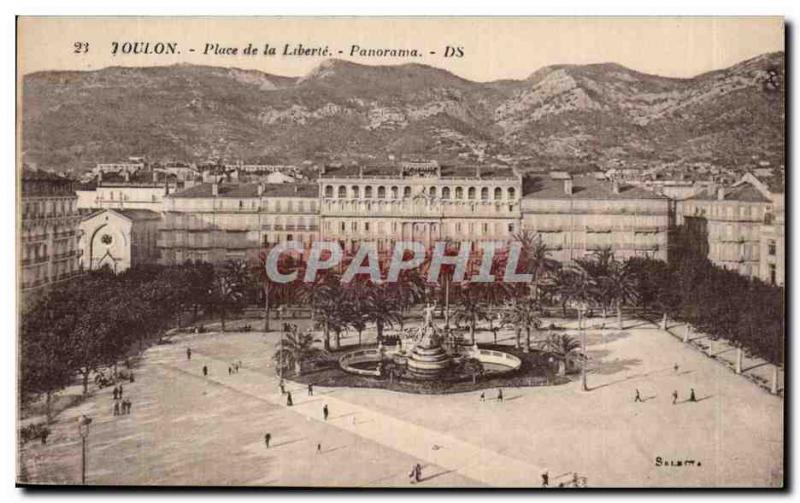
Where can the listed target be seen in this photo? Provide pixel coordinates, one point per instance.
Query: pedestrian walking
(319, 448)
(325, 412)
(44, 434)
(676, 368)
(115, 393)
(545, 479)
(188, 353)
(131, 378)
(692, 398)
(129, 406)
(283, 388)
(116, 408)
(638, 397)
(483, 396)
(267, 438)
(230, 371)
(310, 389)
(289, 399)
(500, 395)
(674, 397)
(205, 371)
(120, 391)
(418, 472)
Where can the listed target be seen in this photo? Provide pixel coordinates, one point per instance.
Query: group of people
(234, 367)
(499, 395)
(692, 396)
(122, 406)
(576, 481)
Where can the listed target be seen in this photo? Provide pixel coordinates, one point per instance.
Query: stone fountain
(428, 358)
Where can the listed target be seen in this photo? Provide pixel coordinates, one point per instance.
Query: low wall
(360, 356)
(497, 358)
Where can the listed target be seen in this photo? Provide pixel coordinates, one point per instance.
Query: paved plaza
(186, 429)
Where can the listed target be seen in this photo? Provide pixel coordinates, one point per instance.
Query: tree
(535, 260)
(45, 354)
(470, 308)
(228, 288)
(564, 346)
(383, 307)
(619, 287)
(296, 349)
(474, 368)
(522, 314)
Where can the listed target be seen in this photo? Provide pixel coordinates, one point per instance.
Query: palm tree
(470, 308)
(619, 287)
(522, 314)
(564, 346)
(228, 288)
(297, 348)
(573, 284)
(383, 308)
(474, 368)
(535, 259)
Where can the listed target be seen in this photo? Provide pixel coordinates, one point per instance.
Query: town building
(119, 239)
(215, 222)
(578, 216)
(49, 229)
(418, 201)
(741, 228)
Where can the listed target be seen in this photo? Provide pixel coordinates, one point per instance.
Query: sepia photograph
(401, 252)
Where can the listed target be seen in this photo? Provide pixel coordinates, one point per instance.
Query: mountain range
(572, 117)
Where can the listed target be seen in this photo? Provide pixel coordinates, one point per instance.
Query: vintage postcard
(387, 252)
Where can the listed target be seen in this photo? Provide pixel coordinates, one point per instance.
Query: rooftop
(583, 187)
(398, 170)
(250, 190)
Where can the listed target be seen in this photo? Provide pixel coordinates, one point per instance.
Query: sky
(493, 48)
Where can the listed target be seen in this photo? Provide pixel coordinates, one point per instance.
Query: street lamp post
(83, 429)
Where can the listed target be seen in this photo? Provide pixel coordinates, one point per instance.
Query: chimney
(260, 189)
(720, 193)
(568, 186)
(215, 189)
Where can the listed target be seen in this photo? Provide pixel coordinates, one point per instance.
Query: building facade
(579, 216)
(119, 239)
(49, 229)
(421, 202)
(741, 228)
(215, 222)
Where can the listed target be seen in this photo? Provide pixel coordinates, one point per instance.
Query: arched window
(328, 191)
(342, 192)
(498, 194)
(406, 191)
(511, 193)
(485, 194)
(395, 193)
(432, 192)
(368, 191)
(459, 193)
(471, 193)
(356, 192)
(446, 193)
(381, 192)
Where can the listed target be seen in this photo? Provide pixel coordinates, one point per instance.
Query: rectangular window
(771, 248)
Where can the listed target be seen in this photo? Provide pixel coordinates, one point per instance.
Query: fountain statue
(428, 357)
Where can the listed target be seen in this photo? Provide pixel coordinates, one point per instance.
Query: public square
(186, 429)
